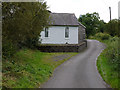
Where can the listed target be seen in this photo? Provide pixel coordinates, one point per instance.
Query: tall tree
(23, 22)
(92, 23)
(101, 26)
(118, 28)
(112, 27)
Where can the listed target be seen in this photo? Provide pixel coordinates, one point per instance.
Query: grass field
(30, 68)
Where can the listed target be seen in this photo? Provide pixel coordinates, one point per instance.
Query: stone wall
(81, 34)
(63, 48)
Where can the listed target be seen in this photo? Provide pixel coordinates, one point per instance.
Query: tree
(101, 26)
(92, 23)
(112, 27)
(118, 28)
(23, 22)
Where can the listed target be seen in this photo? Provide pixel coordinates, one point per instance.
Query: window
(46, 32)
(67, 32)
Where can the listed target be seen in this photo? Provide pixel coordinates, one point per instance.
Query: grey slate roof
(64, 19)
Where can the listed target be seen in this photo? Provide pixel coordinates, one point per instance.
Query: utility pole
(119, 10)
(110, 13)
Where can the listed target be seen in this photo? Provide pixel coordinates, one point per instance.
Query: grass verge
(108, 61)
(30, 68)
(109, 75)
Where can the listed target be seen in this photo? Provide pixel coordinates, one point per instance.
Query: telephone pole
(119, 10)
(110, 13)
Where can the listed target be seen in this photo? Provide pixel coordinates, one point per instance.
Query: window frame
(46, 33)
(67, 32)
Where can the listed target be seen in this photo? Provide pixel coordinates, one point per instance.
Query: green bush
(102, 36)
(8, 49)
(108, 62)
(114, 39)
(105, 37)
(91, 37)
(112, 52)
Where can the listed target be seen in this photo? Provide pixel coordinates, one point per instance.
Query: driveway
(80, 71)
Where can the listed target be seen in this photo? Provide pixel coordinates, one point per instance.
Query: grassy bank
(30, 68)
(109, 75)
(108, 61)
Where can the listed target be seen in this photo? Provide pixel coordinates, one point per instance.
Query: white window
(46, 32)
(67, 32)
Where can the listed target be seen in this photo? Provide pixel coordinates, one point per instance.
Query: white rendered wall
(57, 35)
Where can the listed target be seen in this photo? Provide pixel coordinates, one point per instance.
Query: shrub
(91, 37)
(105, 37)
(102, 36)
(112, 52)
(114, 39)
(8, 49)
(108, 62)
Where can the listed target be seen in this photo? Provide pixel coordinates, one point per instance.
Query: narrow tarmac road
(80, 71)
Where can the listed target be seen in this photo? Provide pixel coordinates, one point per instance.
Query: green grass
(108, 62)
(30, 68)
(106, 71)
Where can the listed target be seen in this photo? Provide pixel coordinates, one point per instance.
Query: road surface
(80, 71)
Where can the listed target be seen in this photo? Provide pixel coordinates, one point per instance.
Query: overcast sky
(80, 7)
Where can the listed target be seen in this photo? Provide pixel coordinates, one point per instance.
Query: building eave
(66, 25)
